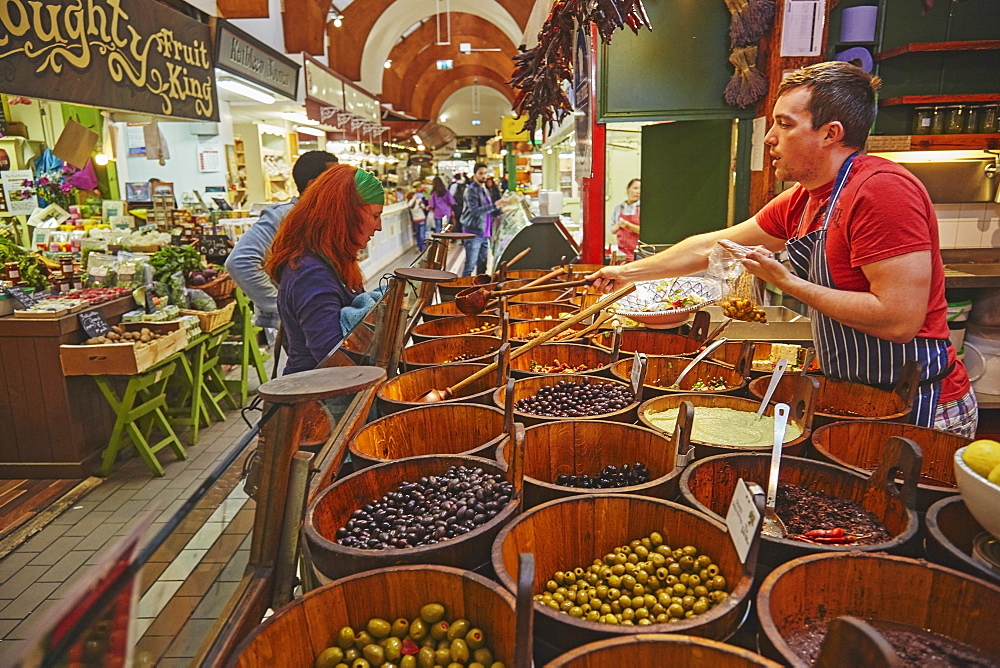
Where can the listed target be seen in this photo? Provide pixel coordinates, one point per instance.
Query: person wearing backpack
(418, 216)
(457, 190)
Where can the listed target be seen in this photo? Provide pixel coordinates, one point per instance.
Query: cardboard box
(119, 359)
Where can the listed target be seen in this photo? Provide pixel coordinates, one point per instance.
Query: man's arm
(245, 263)
(894, 308)
(686, 257)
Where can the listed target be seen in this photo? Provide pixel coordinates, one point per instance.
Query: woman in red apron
(626, 225)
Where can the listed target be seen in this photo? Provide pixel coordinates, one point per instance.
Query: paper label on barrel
(743, 519)
(637, 361)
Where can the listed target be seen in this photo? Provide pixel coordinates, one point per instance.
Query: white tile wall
(972, 225)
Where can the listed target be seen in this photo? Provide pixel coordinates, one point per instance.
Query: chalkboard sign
(27, 301)
(93, 323)
(214, 245)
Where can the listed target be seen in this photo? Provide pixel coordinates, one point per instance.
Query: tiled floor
(187, 580)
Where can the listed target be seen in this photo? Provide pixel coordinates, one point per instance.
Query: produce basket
(212, 320)
(219, 288)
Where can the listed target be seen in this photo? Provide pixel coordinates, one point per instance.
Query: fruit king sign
(134, 55)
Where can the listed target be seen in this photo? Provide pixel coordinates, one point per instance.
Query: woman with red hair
(314, 260)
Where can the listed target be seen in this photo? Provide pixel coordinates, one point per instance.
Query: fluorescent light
(417, 139)
(297, 117)
(306, 130)
(245, 91)
(271, 129)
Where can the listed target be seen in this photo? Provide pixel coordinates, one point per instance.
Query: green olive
(686, 562)
(656, 539)
(350, 654)
(345, 637)
(442, 656)
(700, 607)
(497, 664)
(393, 648)
(662, 618)
(614, 594)
(719, 582)
(440, 630)
(474, 639)
(712, 569)
(362, 640)
(663, 550)
(483, 655)
(476, 664)
(675, 569)
(459, 650)
(687, 602)
(644, 621)
(693, 580)
(419, 629)
(400, 628)
(679, 589)
(378, 628)
(408, 661)
(432, 613)
(701, 590)
(690, 550)
(627, 614)
(426, 658)
(374, 654)
(641, 551)
(575, 611)
(675, 610)
(329, 657)
(360, 663)
(641, 613)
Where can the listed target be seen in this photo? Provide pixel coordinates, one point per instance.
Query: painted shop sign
(135, 55)
(243, 55)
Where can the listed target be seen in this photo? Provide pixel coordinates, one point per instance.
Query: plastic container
(972, 113)
(988, 118)
(986, 310)
(954, 119)
(858, 24)
(982, 358)
(937, 121)
(922, 117)
(958, 315)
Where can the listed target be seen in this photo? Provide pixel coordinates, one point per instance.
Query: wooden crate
(212, 320)
(119, 359)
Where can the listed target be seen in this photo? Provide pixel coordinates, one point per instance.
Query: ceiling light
(443, 118)
(503, 151)
(306, 130)
(245, 91)
(297, 117)
(101, 159)
(271, 129)
(420, 147)
(387, 64)
(337, 22)
(417, 139)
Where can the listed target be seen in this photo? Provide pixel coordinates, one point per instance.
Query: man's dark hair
(310, 165)
(840, 92)
(478, 166)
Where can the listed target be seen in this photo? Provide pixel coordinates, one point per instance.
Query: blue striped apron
(848, 354)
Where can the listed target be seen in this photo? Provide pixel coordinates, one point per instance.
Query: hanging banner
(133, 55)
(241, 54)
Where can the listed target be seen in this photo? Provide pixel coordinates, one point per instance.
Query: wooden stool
(140, 409)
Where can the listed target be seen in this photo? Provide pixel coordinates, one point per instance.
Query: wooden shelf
(954, 142)
(928, 47)
(938, 99)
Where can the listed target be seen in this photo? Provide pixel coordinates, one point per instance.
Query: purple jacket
(441, 206)
(309, 301)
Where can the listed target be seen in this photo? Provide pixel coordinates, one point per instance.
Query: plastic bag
(198, 300)
(102, 270)
(742, 292)
(175, 283)
(134, 269)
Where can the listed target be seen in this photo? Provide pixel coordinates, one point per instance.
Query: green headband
(369, 187)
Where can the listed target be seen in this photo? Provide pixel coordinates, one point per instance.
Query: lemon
(982, 456)
(994, 476)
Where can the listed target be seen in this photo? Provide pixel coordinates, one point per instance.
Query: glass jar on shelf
(972, 113)
(989, 118)
(937, 121)
(922, 117)
(954, 119)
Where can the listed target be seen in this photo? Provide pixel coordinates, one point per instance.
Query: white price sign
(743, 518)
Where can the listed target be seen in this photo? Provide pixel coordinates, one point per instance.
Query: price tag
(214, 245)
(27, 301)
(93, 323)
(743, 518)
(638, 364)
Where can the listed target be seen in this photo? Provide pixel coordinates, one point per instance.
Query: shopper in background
(418, 216)
(626, 221)
(477, 218)
(441, 204)
(457, 189)
(862, 240)
(314, 260)
(491, 186)
(246, 262)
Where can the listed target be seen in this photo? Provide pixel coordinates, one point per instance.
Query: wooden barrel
(800, 415)
(404, 391)
(661, 371)
(708, 485)
(840, 400)
(857, 445)
(586, 297)
(539, 310)
(597, 361)
(357, 343)
(530, 274)
(317, 425)
(527, 387)
(297, 633)
(650, 341)
(447, 291)
(460, 326)
(574, 531)
(579, 271)
(951, 528)
(446, 310)
(334, 505)
(729, 353)
(444, 350)
(519, 332)
(433, 429)
(884, 587)
(573, 448)
(660, 649)
(548, 296)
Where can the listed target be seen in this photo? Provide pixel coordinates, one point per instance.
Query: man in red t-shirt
(862, 240)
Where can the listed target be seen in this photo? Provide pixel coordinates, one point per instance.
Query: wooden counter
(51, 426)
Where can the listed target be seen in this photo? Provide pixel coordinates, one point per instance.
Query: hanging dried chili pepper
(539, 73)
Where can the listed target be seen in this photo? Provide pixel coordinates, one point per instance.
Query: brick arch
(355, 43)
(433, 106)
(427, 87)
